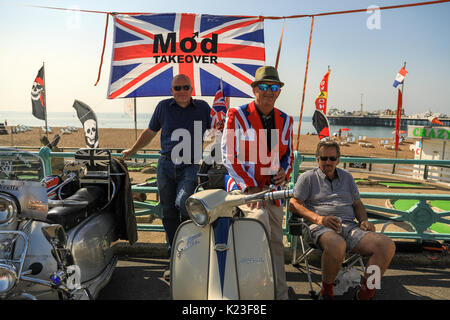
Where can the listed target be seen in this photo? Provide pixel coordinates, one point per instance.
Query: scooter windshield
(20, 166)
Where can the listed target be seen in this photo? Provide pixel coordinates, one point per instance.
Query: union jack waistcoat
(244, 146)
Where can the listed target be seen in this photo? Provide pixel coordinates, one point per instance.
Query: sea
(122, 120)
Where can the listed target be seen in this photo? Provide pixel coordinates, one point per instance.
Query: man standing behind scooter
(257, 152)
(178, 118)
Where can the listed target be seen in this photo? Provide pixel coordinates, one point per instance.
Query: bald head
(181, 77)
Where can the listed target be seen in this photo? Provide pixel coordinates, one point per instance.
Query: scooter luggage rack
(97, 163)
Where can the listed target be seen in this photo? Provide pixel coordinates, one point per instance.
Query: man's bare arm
(296, 207)
(144, 139)
(361, 216)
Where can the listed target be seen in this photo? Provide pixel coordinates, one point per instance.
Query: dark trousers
(175, 184)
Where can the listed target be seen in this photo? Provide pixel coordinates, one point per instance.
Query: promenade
(418, 276)
(412, 275)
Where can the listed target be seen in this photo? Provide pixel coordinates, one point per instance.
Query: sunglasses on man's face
(265, 87)
(326, 158)
(178, 88)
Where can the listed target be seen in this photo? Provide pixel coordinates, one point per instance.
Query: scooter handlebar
(269, 195)
(281, 194)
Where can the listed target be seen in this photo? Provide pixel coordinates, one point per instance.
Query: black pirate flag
(38, 96)
(89, 121)
(320, 122)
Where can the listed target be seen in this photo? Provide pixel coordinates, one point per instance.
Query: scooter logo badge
(37, 205)
(190, 241)
(221, 247)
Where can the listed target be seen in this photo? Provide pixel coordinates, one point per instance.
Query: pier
(383, 121)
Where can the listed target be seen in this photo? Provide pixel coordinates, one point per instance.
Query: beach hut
(431, 143)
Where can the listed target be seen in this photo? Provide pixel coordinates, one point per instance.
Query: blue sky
(362, 60)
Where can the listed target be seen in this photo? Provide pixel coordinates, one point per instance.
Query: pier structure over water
(380, 121)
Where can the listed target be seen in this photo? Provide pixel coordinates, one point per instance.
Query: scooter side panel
(190, 262)
(90, 243)
(255, 270)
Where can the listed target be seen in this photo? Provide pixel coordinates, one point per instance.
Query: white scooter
(220, 255)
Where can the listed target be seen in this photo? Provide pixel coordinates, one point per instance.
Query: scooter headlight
(198, 211)
(8, 277)
(8, 208)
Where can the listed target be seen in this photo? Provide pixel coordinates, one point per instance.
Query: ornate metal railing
(419, 218)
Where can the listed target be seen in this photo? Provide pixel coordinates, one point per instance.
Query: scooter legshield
(230, 259)
(189, 262)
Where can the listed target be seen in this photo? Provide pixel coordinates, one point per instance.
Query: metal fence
(420, 217)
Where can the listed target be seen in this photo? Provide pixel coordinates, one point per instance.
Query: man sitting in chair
(328, 198)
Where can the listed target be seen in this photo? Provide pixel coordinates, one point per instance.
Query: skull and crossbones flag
(89, 120)
(38, 96)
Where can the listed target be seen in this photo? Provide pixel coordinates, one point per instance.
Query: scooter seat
(69, 217)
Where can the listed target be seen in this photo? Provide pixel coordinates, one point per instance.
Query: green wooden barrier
(420, 217)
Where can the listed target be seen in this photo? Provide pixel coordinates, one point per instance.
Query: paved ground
(140, 278)
(414, 276)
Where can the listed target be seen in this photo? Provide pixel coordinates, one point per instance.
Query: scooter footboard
(230, 259)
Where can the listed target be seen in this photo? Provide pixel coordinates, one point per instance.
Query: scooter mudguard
(229, 259)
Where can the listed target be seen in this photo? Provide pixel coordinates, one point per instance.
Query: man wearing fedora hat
(257, 152)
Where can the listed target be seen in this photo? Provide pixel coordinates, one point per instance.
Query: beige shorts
(350, 231)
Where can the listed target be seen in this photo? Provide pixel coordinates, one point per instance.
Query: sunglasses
(178, 88)
(326, 158)
(265, 87)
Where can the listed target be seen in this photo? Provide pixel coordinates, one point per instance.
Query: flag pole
(279, 45)
(45, 98)
(328, 90)
(401, 110)
(135, 121)
(397, 127)
(304, 83)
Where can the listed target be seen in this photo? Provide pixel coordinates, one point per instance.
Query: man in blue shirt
(183, 122)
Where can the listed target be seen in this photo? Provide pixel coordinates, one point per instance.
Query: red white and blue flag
(400, 77)
(218, 109)
(149, 49)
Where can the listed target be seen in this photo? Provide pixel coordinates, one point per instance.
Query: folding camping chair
(297, 226)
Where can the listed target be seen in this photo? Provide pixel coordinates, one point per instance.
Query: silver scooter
(220, 255)
(57, 248)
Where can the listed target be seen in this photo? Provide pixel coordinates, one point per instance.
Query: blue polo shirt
(193, 120)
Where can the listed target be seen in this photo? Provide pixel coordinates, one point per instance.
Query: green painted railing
(420, 217)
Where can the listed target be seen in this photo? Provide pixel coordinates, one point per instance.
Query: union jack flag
(94, 157)
(150, 49)
(218, 109)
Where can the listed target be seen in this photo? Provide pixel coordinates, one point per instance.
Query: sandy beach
(124, 138)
